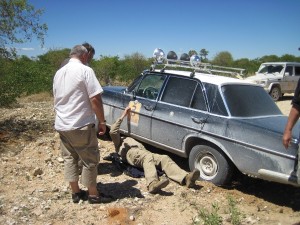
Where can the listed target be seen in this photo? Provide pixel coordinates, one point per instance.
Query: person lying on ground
(135, 154)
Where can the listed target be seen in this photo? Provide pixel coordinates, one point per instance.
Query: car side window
(179, 91)
(215, 100)
(297, 70)
(150, 86)
(289, 70)
(184, 92)
(199, 100)
(276, 69)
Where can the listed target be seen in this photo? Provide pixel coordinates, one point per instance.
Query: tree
(19, 23)
(203, 53)
(288, 58)
(251, 66)
(223, 59)
(132, 66)
(192, 52)
(54, 58)
(106, 68)
(269, 58)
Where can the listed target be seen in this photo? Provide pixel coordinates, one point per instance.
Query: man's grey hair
(78, 51)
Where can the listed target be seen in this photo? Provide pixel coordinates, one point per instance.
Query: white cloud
(27, 49)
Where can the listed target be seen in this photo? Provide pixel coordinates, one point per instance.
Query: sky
(245, 28)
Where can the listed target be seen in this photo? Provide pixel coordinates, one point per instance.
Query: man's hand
(97, 106)
(126, 112)
(292, 119)
(286, 139)
(101, 129)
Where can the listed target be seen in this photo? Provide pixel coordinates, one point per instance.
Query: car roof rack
(192, 63)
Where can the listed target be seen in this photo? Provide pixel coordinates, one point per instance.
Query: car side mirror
(286, 74)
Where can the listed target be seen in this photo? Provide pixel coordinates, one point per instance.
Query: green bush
(24, 76)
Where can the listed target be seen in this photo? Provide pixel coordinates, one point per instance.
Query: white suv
(277, 78)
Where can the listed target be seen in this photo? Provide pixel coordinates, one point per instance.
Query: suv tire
(213, 165)
(275, 93)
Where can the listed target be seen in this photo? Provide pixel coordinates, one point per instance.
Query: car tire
(212, 164)
(275, 93)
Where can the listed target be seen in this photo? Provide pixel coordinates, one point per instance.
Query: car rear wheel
(275, 93)
(213, 165)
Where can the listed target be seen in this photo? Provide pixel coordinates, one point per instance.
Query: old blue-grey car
(218, 123)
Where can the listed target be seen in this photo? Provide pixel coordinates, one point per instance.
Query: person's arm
(97, 106)
(293, 118)
(126, 112)
(114, 129)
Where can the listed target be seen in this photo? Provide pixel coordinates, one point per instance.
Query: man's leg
(298, 166)
(167, 165)
(174, 172)
(143, 159)
(89, 154)
(75, 187)
(85, 144)
(71, 167)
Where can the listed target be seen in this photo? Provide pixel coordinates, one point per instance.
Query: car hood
(267, 76)
(114, 88)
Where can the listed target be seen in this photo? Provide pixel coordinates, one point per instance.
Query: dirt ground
(32, 190)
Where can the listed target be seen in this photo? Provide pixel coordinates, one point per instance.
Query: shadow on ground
(15, 130)
(120, 190)
(286, 98)
(279, 194)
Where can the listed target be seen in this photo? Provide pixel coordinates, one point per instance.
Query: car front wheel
(213, 165)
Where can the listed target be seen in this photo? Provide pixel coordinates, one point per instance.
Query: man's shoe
(156, 185)
(81, 195)
(191, 178)
(100, 199)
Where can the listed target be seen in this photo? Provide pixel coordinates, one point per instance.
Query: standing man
(77, 98)
(293, 118)
(135, 154)
(90, 55)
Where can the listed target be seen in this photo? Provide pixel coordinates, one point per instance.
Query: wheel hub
(208, 166)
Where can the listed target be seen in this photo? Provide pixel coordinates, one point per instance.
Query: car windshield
(270, 69)
(249, 101)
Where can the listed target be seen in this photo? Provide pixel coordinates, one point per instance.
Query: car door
(287, 84)
(142, 100)
(296, 77)
(288, 79)
(180, 111)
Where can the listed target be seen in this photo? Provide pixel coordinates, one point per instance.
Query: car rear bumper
(279, 177)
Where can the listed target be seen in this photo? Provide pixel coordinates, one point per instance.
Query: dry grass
(40, 97)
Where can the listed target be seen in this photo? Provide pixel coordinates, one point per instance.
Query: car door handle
(148, 107)
(198, 120)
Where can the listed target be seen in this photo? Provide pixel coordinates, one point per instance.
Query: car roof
(280, 63)
(210, 78)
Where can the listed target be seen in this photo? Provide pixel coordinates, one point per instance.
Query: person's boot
(191, 178)
(101, 198)
(81, 195)
(157, 185)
